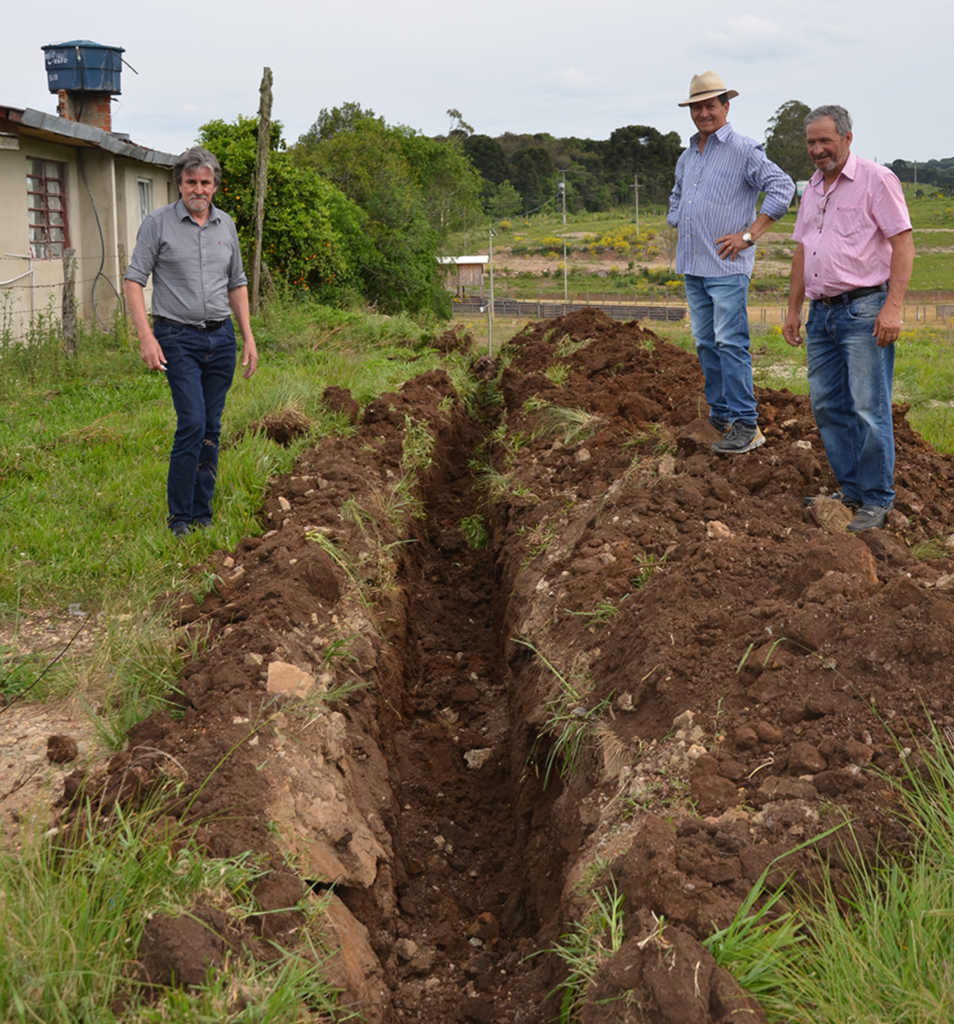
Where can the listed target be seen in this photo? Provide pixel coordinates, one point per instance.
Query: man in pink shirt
(854, 259)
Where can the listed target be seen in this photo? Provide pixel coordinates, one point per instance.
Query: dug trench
(662, 674)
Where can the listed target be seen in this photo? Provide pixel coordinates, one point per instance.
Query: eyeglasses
(822, 207)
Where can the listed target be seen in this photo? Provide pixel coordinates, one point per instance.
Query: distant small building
(67, 181)
(463, 273)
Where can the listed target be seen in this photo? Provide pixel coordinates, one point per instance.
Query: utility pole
(563, 194)
(636, 194)
(564, 270)
(490, 308)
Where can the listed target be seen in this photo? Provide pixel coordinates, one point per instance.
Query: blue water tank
(83, 65)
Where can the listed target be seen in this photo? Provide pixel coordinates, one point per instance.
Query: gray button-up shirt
(193, 268)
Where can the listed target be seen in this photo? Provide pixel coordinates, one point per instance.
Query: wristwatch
(747, 238)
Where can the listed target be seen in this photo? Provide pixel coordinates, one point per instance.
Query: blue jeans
(718, 307)
(850, 379)
(199, 368)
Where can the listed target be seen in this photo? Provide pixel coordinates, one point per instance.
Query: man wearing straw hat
(718, 179)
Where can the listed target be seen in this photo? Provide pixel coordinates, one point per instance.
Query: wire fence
(31, 289)
(920, 307)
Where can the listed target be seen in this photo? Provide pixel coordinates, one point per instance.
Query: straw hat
(705, 86)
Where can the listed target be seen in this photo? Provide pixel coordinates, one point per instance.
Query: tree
(459, 126)
(533, 176)
(338, 119)
(448, 183)
(366, 160)
(503, 201)
(488, 157)
(313, 237)
(785, 140)
(643, 151)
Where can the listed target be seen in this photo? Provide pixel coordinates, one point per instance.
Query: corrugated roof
(40, 125)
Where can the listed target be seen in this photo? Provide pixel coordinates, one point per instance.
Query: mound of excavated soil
(661, 673)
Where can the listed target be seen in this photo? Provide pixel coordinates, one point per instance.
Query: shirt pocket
(849, 220)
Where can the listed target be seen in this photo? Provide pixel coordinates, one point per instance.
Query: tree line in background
(937, 173)
(358, 210)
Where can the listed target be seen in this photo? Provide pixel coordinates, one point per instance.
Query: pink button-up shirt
(845, 230)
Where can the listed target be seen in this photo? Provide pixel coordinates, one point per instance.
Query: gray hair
(192, 160)
(839, 115)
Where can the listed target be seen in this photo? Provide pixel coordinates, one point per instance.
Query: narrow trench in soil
(463, 918)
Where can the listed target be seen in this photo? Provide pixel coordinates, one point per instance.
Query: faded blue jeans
(718, 307)
(850, 379)
(199, 368)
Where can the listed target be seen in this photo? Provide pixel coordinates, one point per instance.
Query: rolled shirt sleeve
(715, 194)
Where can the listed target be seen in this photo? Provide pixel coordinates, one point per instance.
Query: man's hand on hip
(729, 246)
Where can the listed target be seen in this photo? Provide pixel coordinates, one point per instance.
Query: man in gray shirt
(191, 249)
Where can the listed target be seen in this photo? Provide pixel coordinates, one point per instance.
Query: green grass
(879, 945)
(84, 450)
(73, 906)
(541, 234)
(933, 271)
(586, 948)
(923, 372)
(83, 453)
(539, 226)
(568, 723)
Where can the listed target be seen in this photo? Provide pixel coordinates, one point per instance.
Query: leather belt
(855, 293)
(212, 325)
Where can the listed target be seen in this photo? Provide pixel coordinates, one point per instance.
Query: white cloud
(749, 35)
(573, 78)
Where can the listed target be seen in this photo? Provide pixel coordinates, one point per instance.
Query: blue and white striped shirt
(715, 194)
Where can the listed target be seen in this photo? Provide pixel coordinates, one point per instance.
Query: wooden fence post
(69, 302)
(261, 179)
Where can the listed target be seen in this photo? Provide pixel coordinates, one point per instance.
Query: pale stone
(289, 680)
(405, 948)
(667, 465)
(478, 758)
(717, 530)
(354, 967)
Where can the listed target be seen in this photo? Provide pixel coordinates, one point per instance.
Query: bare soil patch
(739, 662)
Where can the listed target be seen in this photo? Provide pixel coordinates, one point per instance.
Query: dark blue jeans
(850, 380)
(199, 367)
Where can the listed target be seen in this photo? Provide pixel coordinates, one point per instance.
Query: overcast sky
(582, 68)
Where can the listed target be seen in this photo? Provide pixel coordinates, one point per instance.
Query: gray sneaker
(723, 426)
(740, 438)
(869, 517)
(851, 503)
